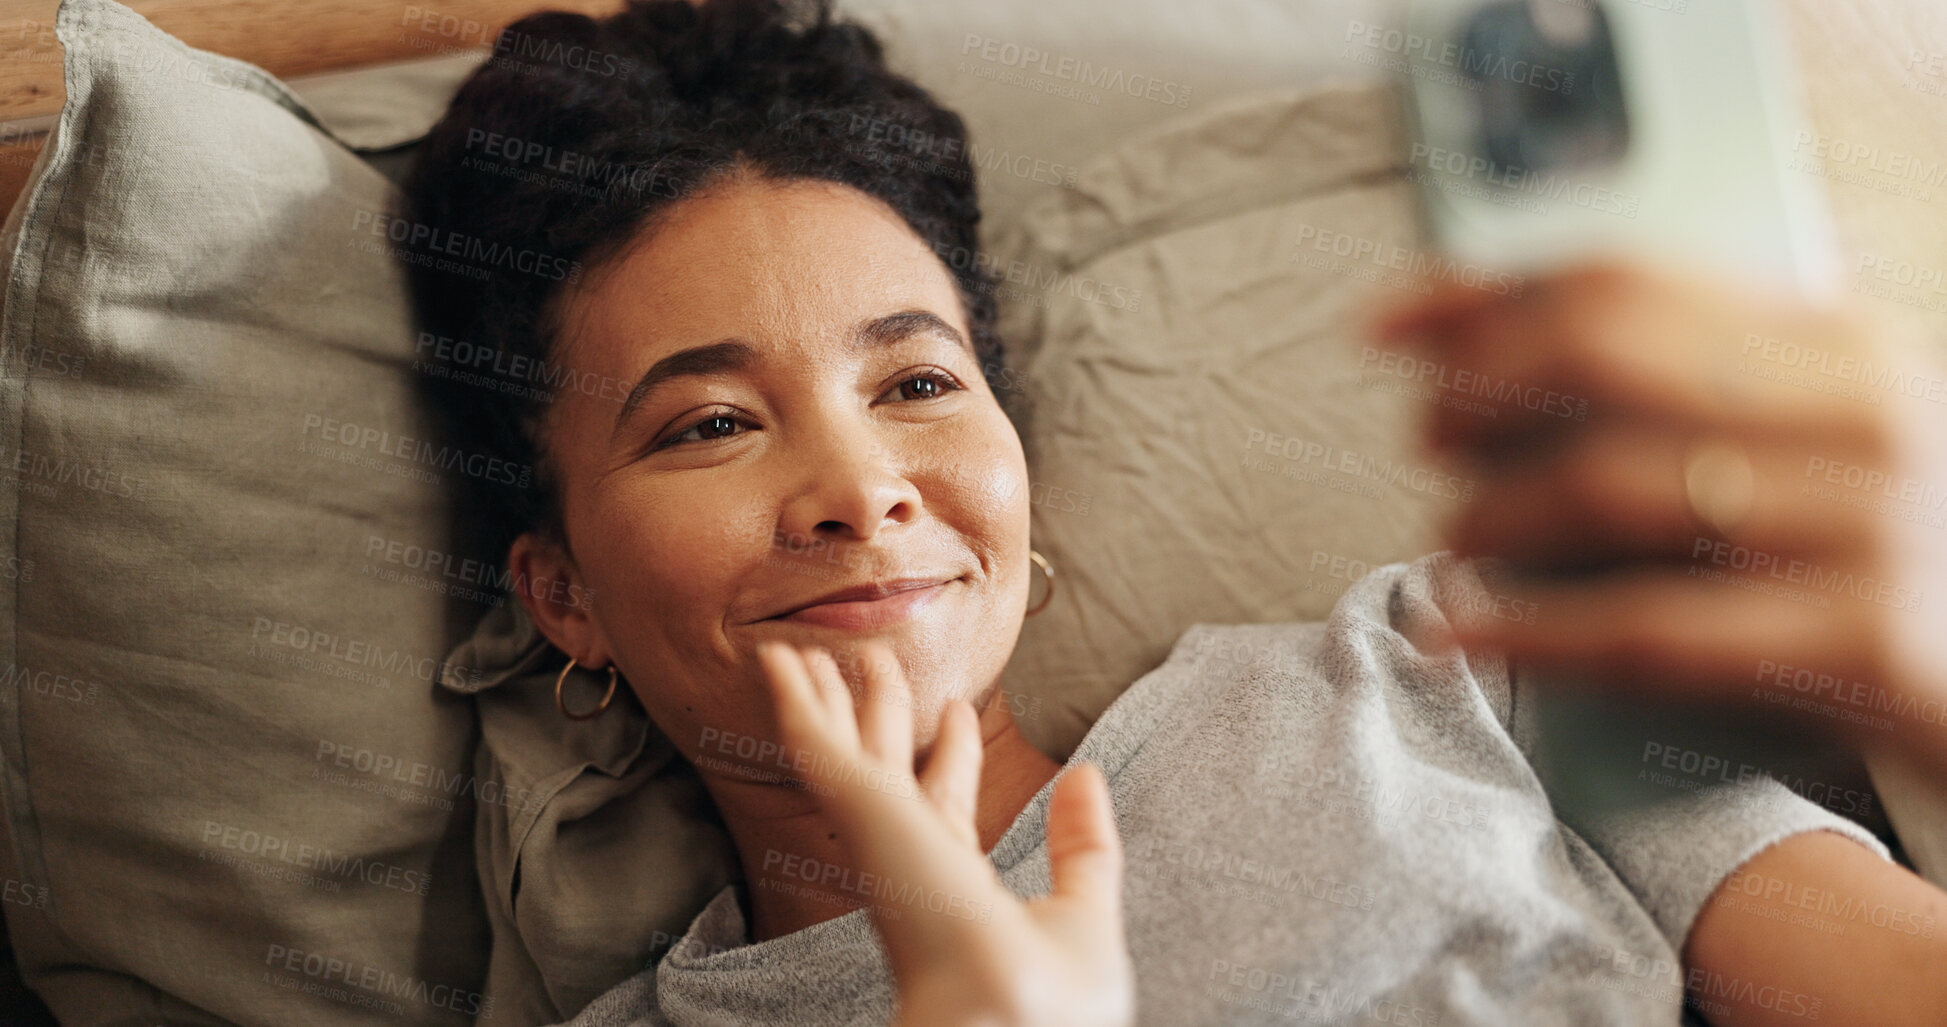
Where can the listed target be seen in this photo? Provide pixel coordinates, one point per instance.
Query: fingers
(1617, 343)
(886, 719)
(813, 707)
(1620, 493)
(951, 778)
(1587, 398)
(1427, 315)
(801, 713)
(1674, 634)
(842, 721)
(1084, 850)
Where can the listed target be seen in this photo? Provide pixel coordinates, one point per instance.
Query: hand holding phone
(1554, 138)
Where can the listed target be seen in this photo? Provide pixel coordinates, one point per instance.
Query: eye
(930, 383)
(719, 425)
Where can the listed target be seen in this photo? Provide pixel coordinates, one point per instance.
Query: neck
(785, 844)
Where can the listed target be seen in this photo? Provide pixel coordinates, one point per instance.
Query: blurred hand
(984, 957)
(1714, 494)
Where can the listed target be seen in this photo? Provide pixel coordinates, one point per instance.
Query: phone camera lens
(1550, 88)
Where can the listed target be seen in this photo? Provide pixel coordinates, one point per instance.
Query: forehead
(794, 263)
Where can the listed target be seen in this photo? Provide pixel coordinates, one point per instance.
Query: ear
(558, 601)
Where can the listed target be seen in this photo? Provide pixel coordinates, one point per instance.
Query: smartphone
(1547, 132)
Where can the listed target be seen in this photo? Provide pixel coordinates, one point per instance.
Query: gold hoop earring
(591, 714)
(1048, 574)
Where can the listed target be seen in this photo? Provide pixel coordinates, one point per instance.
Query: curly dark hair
(578, 131)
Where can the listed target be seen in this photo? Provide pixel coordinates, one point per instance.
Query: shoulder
(1390, 630)
(1411, 604)
(1419, 601)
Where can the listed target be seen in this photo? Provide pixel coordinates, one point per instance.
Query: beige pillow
(232, 789)
(1219, 447)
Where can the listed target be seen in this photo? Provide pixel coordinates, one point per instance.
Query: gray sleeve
(1674, 854)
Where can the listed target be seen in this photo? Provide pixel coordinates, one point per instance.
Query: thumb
(951, 777)
(1084, 850)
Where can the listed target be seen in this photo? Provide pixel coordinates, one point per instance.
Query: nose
(850, 485)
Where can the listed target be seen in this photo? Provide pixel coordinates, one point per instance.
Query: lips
(874, 604)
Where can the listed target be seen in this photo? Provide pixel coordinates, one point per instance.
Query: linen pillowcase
(233, 790)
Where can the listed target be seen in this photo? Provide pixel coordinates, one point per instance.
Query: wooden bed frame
(281, 36)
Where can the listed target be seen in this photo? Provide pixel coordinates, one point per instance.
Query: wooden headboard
(288, 38)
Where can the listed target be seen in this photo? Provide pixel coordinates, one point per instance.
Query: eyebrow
(733, 354)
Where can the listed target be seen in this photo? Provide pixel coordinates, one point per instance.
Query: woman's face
(803, 415)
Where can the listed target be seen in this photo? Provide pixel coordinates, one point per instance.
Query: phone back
(1547, 131)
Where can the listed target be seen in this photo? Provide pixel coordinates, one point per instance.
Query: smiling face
(804, 416)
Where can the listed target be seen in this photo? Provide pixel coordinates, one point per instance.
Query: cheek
(668, 556)
(984, 495)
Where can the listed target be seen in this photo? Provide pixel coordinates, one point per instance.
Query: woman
(798, 371)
